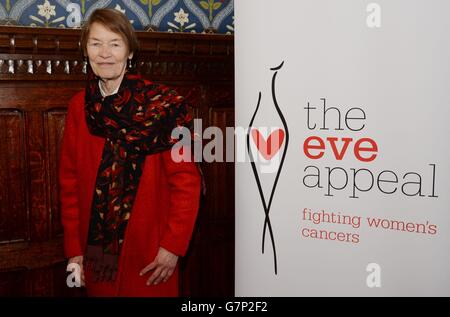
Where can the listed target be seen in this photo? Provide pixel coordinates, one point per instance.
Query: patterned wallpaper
(196, 16)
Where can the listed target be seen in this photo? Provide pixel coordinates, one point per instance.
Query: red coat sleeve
(184, 182)
(68, 186)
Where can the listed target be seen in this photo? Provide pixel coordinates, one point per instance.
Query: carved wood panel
(54, 119)
(13, 207)
(212, 250)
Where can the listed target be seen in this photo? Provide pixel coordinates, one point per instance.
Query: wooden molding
(54, 54)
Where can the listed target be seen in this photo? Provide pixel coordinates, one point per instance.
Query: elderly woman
(128, 208)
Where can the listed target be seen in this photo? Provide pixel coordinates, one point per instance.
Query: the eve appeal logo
(268, 149)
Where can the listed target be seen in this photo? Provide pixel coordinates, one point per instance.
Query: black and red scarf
(136, 121)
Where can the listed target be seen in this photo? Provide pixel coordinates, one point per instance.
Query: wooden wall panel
(55, 119)
(212, 249)
(13, 207)
(36, 164)
(221, 205)
(13, 282)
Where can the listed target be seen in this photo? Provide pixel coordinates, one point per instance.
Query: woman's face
(107, 52)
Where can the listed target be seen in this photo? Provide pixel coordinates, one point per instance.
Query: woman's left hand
(162, 266)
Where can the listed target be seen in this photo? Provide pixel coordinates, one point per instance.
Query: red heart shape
(270, 147)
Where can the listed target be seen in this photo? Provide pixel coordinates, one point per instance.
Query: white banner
(345, 191)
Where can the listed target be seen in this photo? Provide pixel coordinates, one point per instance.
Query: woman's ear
(130, 56)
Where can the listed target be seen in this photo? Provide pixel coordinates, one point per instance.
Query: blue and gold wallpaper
(196, 16)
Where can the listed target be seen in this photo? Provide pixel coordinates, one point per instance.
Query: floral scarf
(136, 121)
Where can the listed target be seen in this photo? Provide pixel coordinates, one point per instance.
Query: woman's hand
(78, 260)
(162, 266)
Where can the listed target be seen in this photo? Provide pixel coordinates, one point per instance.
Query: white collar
(104, 93)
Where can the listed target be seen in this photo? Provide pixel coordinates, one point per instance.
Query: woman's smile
(105, 64)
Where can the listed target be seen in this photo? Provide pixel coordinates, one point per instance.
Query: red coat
(163, 214)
